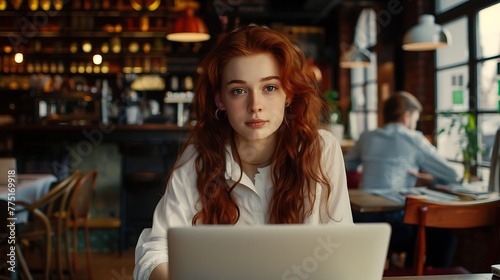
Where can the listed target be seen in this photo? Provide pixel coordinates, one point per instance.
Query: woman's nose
(254, 102)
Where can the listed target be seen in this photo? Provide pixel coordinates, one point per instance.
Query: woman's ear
(218, 102)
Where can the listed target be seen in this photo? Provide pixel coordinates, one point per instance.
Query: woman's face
(252, 96)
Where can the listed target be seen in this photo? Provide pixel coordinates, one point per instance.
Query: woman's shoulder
(186, 159)
(326, 135)
(328, 139)
(182, 175)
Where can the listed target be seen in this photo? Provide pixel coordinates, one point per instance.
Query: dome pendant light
(188, 27)
(426, 35)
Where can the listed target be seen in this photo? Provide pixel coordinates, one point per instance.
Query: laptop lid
(6, 164)
(294, 252)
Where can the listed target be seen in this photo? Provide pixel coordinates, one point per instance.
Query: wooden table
(362, 201)
(483, 276)
(346, 145)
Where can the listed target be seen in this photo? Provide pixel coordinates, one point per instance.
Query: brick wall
(417, 68)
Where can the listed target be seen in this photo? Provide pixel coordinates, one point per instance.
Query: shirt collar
(395, 125)
(233, 171)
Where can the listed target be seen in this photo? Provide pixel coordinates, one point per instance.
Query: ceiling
(316, 9)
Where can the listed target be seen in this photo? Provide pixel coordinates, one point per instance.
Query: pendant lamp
(355, 57)
(426, 35)
(188, 27)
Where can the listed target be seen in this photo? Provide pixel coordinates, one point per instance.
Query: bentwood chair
(57, 213)
(451, 215)
(38, 230)
(78, 214)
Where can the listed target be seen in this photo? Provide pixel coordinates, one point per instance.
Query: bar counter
(132, 161)
(110, 132)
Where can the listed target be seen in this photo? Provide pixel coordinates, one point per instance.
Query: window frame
(470, 10)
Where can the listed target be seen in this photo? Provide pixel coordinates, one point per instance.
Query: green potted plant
(332, 96)
(465, 125)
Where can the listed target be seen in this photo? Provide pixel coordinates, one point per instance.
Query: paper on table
(466, 191)
(400, 195)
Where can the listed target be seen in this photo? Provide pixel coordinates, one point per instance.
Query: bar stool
(144, 168)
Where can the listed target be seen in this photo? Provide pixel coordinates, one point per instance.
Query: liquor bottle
(106, 97)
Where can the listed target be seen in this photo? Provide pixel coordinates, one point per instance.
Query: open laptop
(6, 164)
(346, 252)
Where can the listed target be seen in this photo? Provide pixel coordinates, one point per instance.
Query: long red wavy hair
(295, 167)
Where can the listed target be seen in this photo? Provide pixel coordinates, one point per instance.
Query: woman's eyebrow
(262, 80)
(236, 82)
(270, 78)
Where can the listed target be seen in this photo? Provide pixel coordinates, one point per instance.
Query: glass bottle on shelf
(174, 83)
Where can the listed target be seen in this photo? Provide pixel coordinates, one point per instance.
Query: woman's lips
(256, 123)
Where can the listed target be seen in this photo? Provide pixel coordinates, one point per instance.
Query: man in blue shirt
(391, 158)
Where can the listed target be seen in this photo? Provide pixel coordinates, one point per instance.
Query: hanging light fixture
(365, 36)
(426, 35)
(188, 27)
(355, 57)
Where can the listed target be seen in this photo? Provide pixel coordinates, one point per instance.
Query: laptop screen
(347, 252)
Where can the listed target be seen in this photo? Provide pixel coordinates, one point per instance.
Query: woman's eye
(238, 91)
(271, 88)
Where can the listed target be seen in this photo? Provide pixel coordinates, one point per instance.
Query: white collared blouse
(180, 203)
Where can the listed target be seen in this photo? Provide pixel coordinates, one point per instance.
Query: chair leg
(59, 252)
(87, 249)
(22, 263)
(67, 252)
(75, 248)
(48, 256)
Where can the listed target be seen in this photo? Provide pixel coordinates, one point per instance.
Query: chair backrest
(60, 204)
(494, 182)
(82, 195)
(453, 215)
(55, 193)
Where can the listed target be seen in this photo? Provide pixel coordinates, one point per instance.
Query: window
(364, 98)
(468, 78)
(364, 92)
(445, 5)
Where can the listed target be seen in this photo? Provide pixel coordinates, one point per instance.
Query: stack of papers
(465, 192)
(400, 195)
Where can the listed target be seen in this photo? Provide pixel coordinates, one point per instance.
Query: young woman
(257, 154)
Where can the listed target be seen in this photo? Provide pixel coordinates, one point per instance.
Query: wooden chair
(57, 213)
(78, 216)
(450, 215)
(39, 227)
